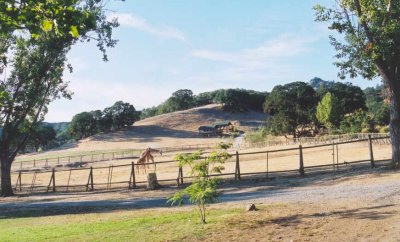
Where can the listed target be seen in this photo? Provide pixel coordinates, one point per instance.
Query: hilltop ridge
(166, 130)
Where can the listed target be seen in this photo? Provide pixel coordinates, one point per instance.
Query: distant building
(207, 131)
(217, 128)
(223, 127)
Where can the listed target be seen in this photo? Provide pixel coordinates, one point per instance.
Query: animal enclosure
(121, 174)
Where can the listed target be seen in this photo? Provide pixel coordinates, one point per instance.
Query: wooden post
(132, 178)
(81, 158)
(90, 180)
(33, 181)
(34, 162)
(301, 169)
(110, 171)
(58, 160)
(267, 163)
(18, 182)
(371, 151)
(113, 155)
(337, 157)
(180, 176)
(333, 155)
(237, 169)
(69, 178)
(52, 181)
(47, 163)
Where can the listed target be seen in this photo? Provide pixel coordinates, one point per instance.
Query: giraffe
(145, 158)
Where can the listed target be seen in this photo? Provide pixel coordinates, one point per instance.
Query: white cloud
(268, 52)
(271, 60)
(162, 31)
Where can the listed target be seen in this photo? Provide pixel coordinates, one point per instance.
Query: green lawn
(132, 225)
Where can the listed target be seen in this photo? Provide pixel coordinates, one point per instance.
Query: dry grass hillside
(167, 130)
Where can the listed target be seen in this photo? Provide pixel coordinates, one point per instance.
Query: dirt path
(366, 185)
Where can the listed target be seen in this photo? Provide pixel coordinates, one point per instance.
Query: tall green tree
(38, 62)
(42, 137)
(122, 114)
(83, 125)
(369, 46)
(292, 107)
(328, 111)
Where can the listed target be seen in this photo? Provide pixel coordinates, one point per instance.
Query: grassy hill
(167, 130)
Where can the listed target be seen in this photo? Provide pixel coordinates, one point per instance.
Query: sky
(202, 45)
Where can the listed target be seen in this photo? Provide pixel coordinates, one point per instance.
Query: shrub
(384, 129)
(203, 190)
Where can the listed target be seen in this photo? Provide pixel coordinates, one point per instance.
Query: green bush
(384, 129)
(203, 190)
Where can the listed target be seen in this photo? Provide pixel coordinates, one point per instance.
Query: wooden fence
(300, 160)
(92, 157)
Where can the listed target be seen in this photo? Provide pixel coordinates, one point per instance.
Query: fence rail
(326, 139)
(300, 160)
(77, 160)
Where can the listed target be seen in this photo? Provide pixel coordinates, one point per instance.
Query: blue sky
(200, 45)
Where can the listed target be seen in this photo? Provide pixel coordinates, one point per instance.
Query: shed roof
(206, 128)
(222, 124)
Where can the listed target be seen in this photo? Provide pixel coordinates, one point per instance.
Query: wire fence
(326, 139)
(73, 160)
(92, 157)
(299, 160)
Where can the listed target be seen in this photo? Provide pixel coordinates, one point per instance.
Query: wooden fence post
(52, 181)
(371, 151)
(132, 178)
(33, 181)
(110, 172)
(34, 162)
(267, 163)
(301, 169)
(180, 176)
(69, 178)
(18, 182)
(237, 168)
(90, 180)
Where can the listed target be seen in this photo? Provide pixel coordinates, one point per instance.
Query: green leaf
(47, 25)
(34, 36)
(74, 31)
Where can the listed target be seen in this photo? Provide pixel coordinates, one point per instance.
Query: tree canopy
(369, 45)
(292, 107)
(115, 117)
(328, 111)
(36, 37)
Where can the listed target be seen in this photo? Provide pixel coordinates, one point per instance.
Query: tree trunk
(6, 187)
(395, 127)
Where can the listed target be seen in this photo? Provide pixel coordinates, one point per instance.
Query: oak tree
(368, 44)
(38, 35)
